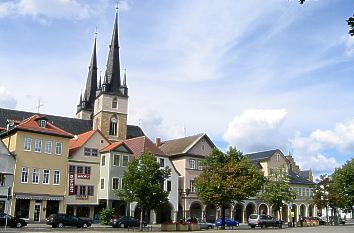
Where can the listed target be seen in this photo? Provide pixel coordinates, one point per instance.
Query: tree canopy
(227, 178)
(276, 190)
(144, 183)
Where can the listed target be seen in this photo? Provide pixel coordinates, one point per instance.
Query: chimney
(158, 142)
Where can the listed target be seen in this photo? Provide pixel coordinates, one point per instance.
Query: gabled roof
(80, 140)
(263, 155)
(72, 125)
(182, 145)
(31, 124)
(140, 144)
(115, 145)
(296, 179)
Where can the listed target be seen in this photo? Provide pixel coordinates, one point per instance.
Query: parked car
(61, 220)
(202, 223)
(125, 221)
(12, 221)
(263, 220)
(320, 221)
(228, 222)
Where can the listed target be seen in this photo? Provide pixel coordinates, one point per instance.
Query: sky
(254, 74)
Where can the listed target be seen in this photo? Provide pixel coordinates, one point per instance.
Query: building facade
(7, 166)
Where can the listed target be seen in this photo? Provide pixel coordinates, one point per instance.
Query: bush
(106, 215)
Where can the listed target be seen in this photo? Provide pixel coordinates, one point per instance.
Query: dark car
(228, 222)
(263, 220)
(320, 221)
(61, 220)
(12, 221)
(125, 222)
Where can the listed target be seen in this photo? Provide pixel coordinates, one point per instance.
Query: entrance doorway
(37, 212)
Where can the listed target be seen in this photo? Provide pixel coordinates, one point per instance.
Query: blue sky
(253, 74)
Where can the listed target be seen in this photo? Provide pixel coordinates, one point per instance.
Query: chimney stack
(158, 142)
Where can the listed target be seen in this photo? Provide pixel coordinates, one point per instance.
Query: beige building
(41, 150)
(186, 154)
(84, 174)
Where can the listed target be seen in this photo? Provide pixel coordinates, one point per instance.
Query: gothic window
(113, 126)
(114, 103)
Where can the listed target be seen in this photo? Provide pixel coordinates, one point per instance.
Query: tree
(227, 178)
(321, 197)
(350, 21)
(277, 190)
(343, 186)
(144, 183)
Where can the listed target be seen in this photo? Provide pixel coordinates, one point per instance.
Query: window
(199, 165)
(169, 185)
(80, 169)
(125, 160)
(94, 152)
(87, 151)
(88, 170)
(90, 190)
(35, 176)
(56, 177)
(45, 176)
(82, 190)
(162, 163)
(113, 126)
(303, 191)
(48, 147)
(308, 192)
(102, 183)
(278, 157)
(75, 189)
(71, 169)
(42, 123)
(191, 185)
(115, 183)
(24, 175)
(58, 148)
(37, 145)
(116, 158)
(114, 103)
(192, 164)
(28, 143)
(103, 160)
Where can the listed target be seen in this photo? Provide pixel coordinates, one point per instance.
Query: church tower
(111, 103)
(86, 103)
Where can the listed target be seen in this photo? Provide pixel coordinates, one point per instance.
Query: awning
(38, 197)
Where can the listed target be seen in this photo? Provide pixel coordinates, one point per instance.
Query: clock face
(114, 120)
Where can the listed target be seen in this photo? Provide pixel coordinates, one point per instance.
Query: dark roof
(305, 173)
(296, 179)
(264, 155)
(179, 145)
(72, 125)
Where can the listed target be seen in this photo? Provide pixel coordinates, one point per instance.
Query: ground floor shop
(36, 208)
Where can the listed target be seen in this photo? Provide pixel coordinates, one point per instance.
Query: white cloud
(349, 46)
(6, 100)
(256, 129)
(58, 9)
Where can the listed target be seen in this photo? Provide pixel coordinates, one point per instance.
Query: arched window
(114, 102)
(113, 126)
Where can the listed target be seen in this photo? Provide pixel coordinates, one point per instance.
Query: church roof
(72, 125)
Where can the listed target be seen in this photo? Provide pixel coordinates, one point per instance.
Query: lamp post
(184, 194)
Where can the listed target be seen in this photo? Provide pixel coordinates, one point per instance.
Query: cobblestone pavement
(38, 228)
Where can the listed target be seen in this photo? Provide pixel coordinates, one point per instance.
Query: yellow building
(41, 150)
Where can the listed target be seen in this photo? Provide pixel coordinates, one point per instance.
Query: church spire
(112, 75)
(91, 82)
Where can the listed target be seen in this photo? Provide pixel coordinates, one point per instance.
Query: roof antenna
(185, 131)
(39, 105)
(117, 6)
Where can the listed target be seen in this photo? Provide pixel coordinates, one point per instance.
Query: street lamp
(184, 194)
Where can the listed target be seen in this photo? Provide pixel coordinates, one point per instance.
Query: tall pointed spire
(112, 75)
(91, 82)
(125, 78)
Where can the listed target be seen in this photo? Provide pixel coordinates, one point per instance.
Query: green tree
(227, 178)
(321, 197)
(144, 182)
(342, 185)
(276, 190)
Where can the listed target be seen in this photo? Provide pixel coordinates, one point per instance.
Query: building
(7, 166)
(167, 212)
(84, 174)
(40, 174)
(186, 154)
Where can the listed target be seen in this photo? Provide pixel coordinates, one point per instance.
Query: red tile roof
(79, 140)
(31, 124)
(114, 145)
(140, 144)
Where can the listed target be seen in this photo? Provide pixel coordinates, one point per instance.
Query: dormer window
(42, 123)
(114, 103)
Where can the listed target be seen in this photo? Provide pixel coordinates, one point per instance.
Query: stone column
(31, 210)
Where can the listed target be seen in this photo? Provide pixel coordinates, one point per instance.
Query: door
(37, 212)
